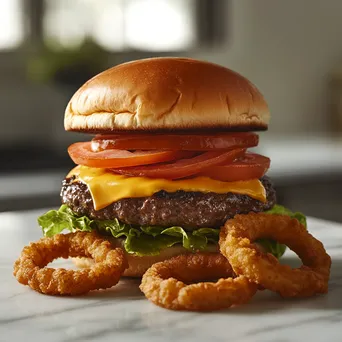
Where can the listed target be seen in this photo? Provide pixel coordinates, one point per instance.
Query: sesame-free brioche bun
(139, 265)
(163, 94)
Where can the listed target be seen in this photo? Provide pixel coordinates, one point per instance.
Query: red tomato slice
(184, 167)
(82, 154)
(250, 166)
(185, 142)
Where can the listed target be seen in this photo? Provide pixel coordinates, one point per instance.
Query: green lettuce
(272, 246)
(55, 221)
(145, 240)
(149, 240)
(280, 210)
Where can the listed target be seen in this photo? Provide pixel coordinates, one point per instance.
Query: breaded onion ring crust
(236, 243)
(109, 264)
(165, 283)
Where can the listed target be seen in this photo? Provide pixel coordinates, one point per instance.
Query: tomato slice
(184, 167)
(185, 142)
(249, 166)
(82, 154)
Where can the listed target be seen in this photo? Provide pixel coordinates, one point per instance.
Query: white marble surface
(123, 314)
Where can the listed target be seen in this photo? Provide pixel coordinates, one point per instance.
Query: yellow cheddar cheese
(106, 187)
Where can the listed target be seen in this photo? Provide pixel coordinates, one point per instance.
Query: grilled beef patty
(180, 208)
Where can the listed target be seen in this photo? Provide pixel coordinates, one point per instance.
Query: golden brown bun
(139, 265)
(162, 94)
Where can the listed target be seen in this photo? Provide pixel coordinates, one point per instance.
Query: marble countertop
(123, 314)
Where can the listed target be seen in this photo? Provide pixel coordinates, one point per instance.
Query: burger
(167, 161)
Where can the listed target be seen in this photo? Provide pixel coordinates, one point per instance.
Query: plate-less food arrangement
(167, 190)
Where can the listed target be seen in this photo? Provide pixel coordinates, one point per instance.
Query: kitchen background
(292, 50)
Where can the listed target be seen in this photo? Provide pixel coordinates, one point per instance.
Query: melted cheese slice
(106, 187)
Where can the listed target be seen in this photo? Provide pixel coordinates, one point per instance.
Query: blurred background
(292, 51)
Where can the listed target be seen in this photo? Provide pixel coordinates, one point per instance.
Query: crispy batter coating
(165, 283)
(236, 243)
(109, 264)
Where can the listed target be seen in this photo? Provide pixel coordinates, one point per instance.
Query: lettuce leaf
(272, 246)
(280, 210)
(55, 221)
(149, 240)
(145, 240)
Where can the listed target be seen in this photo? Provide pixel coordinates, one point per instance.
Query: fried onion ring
(165, 283)
(109, 264)
(236, 243)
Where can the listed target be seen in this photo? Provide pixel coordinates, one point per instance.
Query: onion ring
(236, 243)
(30, 268)
(165, 283)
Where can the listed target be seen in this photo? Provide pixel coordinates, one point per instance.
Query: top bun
(163, 94)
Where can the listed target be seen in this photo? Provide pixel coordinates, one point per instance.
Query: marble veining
(123, 313)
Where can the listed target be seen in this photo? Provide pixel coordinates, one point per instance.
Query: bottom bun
(139, 265)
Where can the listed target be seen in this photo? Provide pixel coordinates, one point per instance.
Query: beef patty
(180, 208)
